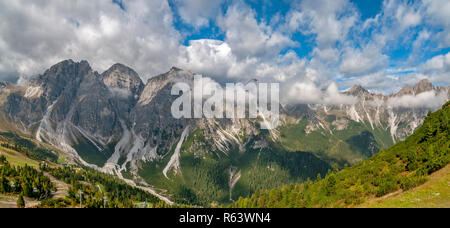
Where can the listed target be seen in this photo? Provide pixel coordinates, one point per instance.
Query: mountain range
(117, 124)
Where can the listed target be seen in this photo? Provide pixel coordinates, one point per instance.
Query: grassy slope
(433, 194)
(18, 159)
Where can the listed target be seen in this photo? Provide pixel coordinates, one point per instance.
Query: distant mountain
(115, 123)
(402, 167)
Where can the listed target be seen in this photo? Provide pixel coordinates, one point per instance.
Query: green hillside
(355, 143)
(203, 179)
(435, 193)
(30, 172)
(402, 167)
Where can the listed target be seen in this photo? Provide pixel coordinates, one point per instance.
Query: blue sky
(314, 44)
(265, 11)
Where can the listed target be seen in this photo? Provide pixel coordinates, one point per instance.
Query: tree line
(25, 181)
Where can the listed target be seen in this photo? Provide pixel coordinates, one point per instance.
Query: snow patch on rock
(175, 159)
(33, 92)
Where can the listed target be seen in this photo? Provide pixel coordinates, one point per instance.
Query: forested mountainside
(31, 177)
(114, 123)
(399, 168)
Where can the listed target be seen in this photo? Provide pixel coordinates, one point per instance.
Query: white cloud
(211, 57)
(303, 93)
(330, 21)
(335, 97)
(438, 13)
(143, 36)
(198, 13)
(437, 69)
(247, 37)
(217, 59)
(360, 62)
(331, 55)
(398, 16)
(39, 34)
(439, 63)
(309, 93)
(422, 100)
(406, 16)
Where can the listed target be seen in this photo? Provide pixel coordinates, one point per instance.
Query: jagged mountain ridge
(116, 123)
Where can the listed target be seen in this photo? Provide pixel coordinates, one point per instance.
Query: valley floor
(435, 193)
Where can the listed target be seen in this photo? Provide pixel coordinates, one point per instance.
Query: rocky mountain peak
(174, 70)
(423, 86)
(63, 76)
(122, 77)
(68, 63)
(406, 90)
(65, 70)
(118, 67)
(157, 83)
(357, 90)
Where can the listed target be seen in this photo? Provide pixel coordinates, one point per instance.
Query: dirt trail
(147, 189)
(61, 187)
(11, 202)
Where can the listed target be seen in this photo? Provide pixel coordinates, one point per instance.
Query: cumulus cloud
(422, 100)
(309, 93)
(198, 13)
(211, 57)
(335, 97)
(394, 21)
(247, 37)
(439, 63)
(217, 59)
(357, 62)
(142, 34)
(329, 20)
(438, 14)
(39, 34)
(406, 16)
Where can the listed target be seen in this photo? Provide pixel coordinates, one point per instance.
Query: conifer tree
(20, 202)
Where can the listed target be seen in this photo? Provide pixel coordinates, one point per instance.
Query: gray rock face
(123, 79)
(94, 109)
(375, 110)
(406, 90)
(423, 86)
(152, 115)
(357, 90)
(67, 104)
(125, 86)
(61, 80)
